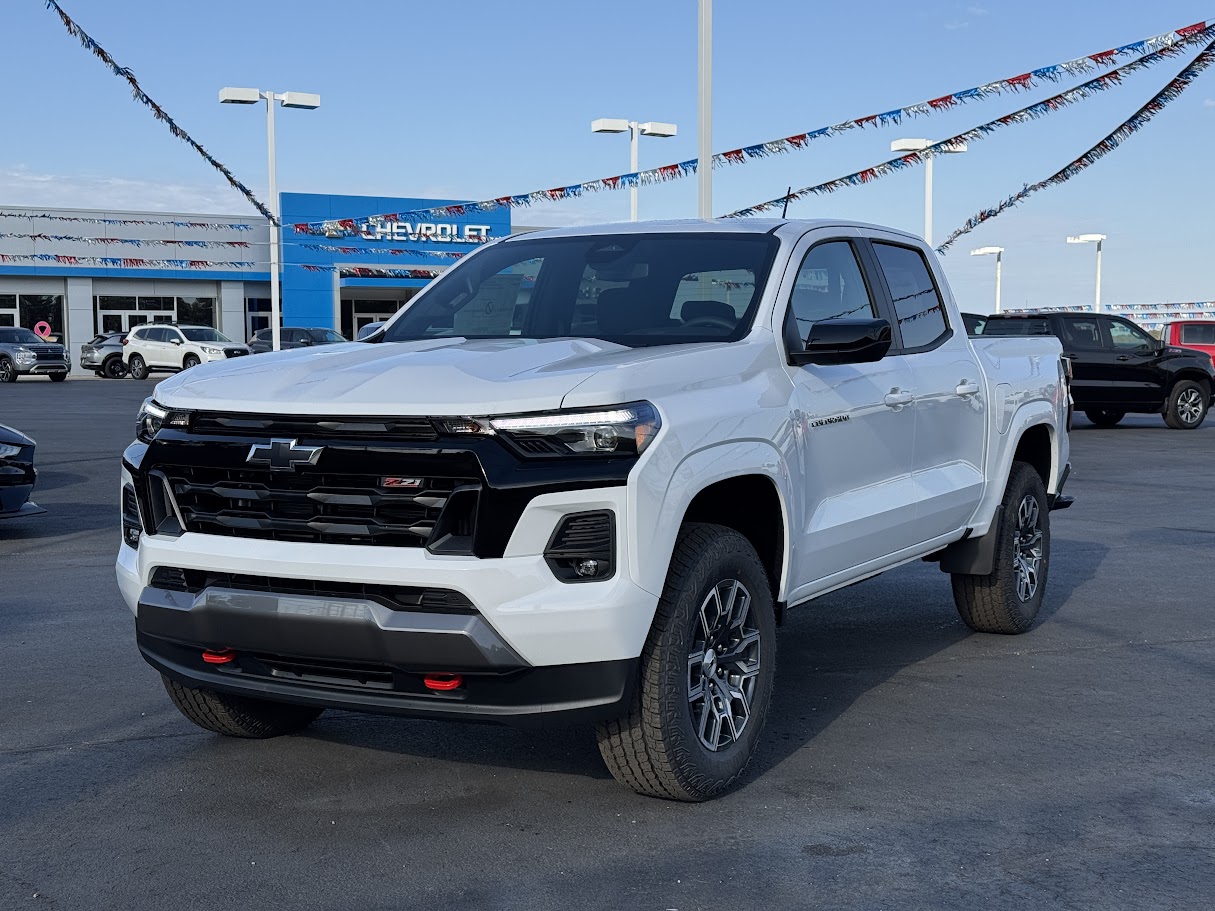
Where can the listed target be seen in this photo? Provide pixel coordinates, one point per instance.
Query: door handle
(897, 398)
(1124, 357)
(966, 388)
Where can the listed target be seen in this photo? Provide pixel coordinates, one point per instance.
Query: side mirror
(305, 341)
(175, 341)
(845, 341)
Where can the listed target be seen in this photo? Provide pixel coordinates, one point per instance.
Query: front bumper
(40, 368)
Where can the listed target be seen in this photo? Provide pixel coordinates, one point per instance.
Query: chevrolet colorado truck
(580, 480)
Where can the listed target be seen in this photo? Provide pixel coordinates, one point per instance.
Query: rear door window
(1082, 334)
(1198, 334)
(917, 303)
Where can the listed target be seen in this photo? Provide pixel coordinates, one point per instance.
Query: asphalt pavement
(907, 763)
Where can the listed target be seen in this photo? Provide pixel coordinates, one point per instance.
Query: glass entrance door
(126, 321)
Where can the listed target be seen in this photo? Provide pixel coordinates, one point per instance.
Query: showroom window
(196, 311)
(33, 309)
(156, 303)
(8, 309)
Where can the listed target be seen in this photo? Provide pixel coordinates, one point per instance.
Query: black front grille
(234, 352)
(301, 426)
(331, 673)
(47, 352)
(395, 597)
(318, 507)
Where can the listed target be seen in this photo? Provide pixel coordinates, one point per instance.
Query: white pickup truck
(581, 479)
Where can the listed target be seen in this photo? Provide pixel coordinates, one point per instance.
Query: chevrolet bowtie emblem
(283, 455)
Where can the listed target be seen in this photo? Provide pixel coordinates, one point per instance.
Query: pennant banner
(1155, 48)
(374, 251)
(368, 272)
(122, 262)
(1132, 125)
(83, 219)
(911, 159)
(157, 111)
(132, 241)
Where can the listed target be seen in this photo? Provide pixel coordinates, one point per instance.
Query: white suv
(173, 348)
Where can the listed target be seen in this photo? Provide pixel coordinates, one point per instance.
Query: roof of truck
(705, 225)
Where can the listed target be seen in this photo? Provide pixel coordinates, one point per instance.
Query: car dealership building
(72, 273)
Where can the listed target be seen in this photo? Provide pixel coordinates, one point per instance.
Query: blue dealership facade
(81, 272)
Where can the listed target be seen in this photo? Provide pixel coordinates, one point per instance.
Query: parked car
(169, 347)
(103, 355)
(526, 504)
(292, 337)
(22, 353)
(369, 330)
(17, 474)
(1198, 335)
(1118, 368)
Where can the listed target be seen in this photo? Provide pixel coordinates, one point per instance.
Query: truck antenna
(785, 211)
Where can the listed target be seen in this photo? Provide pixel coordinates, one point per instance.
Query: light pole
(704, 93)
(999, 254)
(303, 100)
(1092, 239)
(634, 129)
(919, 145)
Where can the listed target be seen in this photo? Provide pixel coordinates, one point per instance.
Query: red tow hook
(223, 656)
(443, 682)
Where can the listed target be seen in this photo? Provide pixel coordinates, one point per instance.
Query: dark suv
(291, 337)
(1118, 368)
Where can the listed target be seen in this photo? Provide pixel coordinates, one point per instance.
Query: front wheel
(8, 373)
(190, 360)
(1007, 599)
(1187, 406)
(239, 716)
(1104, 417)
(138, 367)
(58, 377)
(706, 673)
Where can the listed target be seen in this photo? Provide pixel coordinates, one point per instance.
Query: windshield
(19, 337)
(326, 336)
(631, 289)
(203, 334)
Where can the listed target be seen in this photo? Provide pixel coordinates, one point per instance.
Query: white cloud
(21, 186)
(1209, 103)
(955, 25)
(976, 11)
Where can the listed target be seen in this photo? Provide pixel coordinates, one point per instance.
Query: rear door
(951, 409)
(856, 424)
(1083, 342)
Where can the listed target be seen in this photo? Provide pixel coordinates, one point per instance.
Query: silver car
(103, 355)
(24, 354)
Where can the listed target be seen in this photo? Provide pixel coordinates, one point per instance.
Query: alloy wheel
(6, 372)
(723, 667)
(1189, 406)
(1027, 548)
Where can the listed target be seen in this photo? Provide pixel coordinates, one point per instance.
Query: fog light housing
(583, 547)
(132, 526)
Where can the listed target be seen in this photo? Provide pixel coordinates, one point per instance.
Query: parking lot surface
(907, 763)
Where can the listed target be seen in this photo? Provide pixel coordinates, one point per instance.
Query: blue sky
(478, 99)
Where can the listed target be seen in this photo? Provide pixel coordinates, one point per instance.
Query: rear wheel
(139, 368)
(1007, 599)
(190, 360)
(1104, 417)
(239, 716)
(706, 673)
(1187, 405)
(58, 377)
(113, 367)
(8, 373)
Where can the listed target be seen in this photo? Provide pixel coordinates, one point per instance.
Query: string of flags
(1129, 127)
(87, 42)
(123, 262)
(1024, 115)
(376, 251)
(125, 222)
(368, 272)
(1156, 48)
(131, 241)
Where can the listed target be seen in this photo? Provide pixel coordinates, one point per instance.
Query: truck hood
(452, 376)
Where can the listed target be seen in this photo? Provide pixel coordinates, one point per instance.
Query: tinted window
(632, 289)
(262, 335)
(326, 336)
(1084, 334)
(1198, 334)
(156, 335)
(829, 286)
(1128, 336)
(202, 334)
(1017, 326)
(917, 305)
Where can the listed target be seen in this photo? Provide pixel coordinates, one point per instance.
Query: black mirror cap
(845, 341)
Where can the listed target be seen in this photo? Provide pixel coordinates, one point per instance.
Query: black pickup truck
(1118, 368)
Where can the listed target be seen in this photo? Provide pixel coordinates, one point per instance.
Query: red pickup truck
(1196, 334)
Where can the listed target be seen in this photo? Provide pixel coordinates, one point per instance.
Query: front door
(855, 423)
(1132, 363)
(950, 399)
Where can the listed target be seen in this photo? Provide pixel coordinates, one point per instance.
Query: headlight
(620, 430)
(25, 356)
(212, 351)
(7, 451)
(153, 416)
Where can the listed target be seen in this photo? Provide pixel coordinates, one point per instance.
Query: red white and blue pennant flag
(122, 262)
(1024, 115)
(154, 222)
(130, 241)
(1156, 48)
(371, 272)
(1129, 127)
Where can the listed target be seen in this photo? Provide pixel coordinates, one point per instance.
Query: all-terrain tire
(1187, 405)
(656, 747)
(238, 716)
(996, 602)
(138, 368)
(1104, 417)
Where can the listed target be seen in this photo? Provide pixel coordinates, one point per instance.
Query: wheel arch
(1189, 373)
